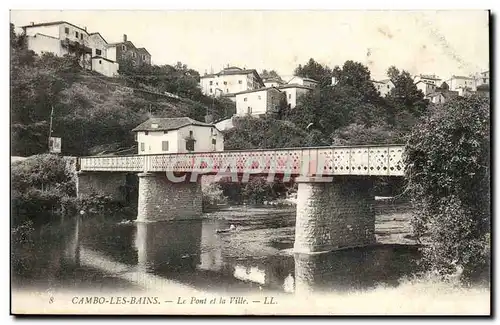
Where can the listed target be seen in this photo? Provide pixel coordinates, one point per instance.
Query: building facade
(430, 79)
(441, 97)
(63, 38)
(229, 81)
(272, 82)
(483, 78)
(293, 92)
(258, 102)
(177, 135)
(426, 87)
(461, 84)
(126, 50)
(384, 87)
(296, 80)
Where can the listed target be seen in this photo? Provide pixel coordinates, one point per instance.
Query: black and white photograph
(250, 162)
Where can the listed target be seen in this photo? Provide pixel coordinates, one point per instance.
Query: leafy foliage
(37, 186)
(266, 132)
(316, 71)
(448, 169)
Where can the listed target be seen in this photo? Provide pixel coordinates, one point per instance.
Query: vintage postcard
(250, 162)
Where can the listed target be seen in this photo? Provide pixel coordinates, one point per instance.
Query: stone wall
(103, 183)
(334, 215)
(160, 199)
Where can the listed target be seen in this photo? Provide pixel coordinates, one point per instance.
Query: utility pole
(50, 125)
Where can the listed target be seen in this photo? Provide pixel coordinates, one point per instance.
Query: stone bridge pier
(334, 213)
(161, 198)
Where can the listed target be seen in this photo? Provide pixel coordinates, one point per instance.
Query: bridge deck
(383, 160)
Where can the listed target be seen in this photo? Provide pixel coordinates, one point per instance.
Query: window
(211, 82)
(142, 146)
(388, 87)
(210, 89)
(259, 97)
(225, 82)
(164, 145)
(214, 142)
(216, 83)
(100, 61)
(146, 133)
(133, 54)
(66, 30)
(154, 125)
(240, 82)
(227, 90)
(190, 145)
(143, 57)
(124, 48)
(249, 110)
(76, 34)
(98, 52)
(190, 133)
(289, 96)
(81, 36)
(165, 132)
(245, 99)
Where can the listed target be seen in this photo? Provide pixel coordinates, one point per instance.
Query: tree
(448, 171)
(316, 71)
(405, 96)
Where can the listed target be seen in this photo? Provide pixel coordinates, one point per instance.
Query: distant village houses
(258, 101)
(384, 87)
(62, 38)
(230, 80)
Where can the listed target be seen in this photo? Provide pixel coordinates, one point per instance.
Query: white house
(441, 97)
(61, 38)
(272, 82)
(177, 135)
(258, 102)
(384, 87)
(461, 83)
(426, 87)
(293, 93)
(230, 80)
(483, 78)
(430, 79)
(296, 80)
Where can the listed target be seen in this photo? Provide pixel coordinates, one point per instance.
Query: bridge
(334, 199)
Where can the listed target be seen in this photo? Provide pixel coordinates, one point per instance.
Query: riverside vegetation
(447, 145)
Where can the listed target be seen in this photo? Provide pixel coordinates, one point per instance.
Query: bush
(212, 195)
(447, 159)
(38, 185)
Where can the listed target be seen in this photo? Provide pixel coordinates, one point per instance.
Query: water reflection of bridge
(191, 254)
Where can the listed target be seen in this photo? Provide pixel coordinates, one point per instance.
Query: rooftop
(255, 90)
(304, 78)
(53, 23)
(383, 81)
(429, 76)
(295, 86)
(461, 77)
(168, 123)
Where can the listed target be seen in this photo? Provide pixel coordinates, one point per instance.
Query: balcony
(75, 46)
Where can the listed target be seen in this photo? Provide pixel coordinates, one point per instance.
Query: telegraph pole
(50, 125)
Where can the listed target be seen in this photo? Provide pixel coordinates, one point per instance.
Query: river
(100, 253)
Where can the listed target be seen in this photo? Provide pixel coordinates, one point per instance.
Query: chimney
(85, 28)
(32, 23)
(124, 37)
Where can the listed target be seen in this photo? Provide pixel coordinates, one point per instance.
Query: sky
(444, 43)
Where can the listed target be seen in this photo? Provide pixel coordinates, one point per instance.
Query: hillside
(89, 109)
